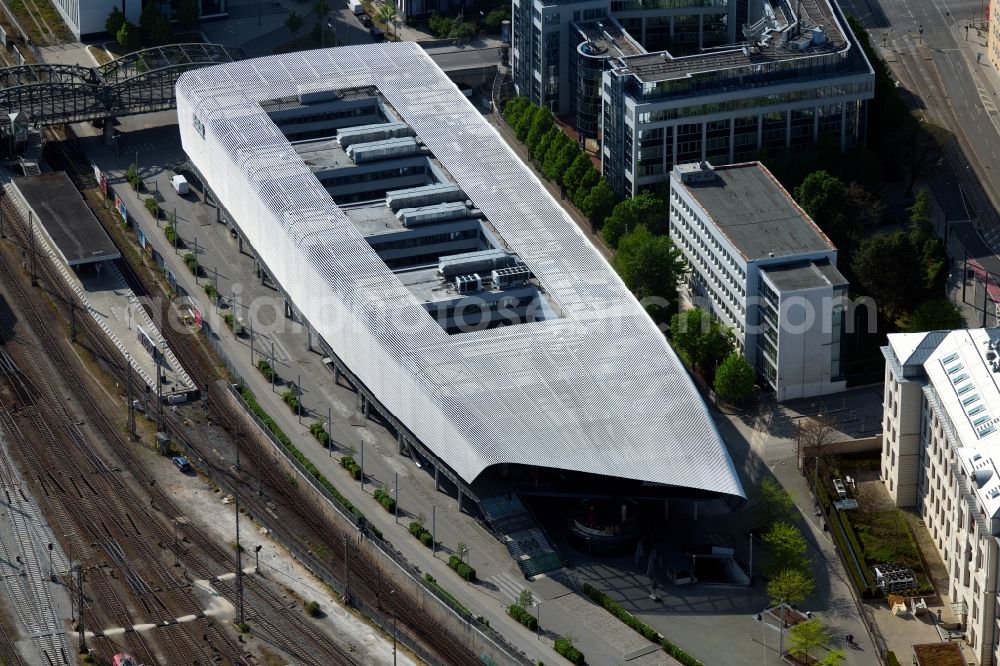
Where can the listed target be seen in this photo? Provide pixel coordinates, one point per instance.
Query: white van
(357, 7)
(180, 184)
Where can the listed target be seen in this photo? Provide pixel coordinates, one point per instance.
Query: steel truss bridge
(139, 82)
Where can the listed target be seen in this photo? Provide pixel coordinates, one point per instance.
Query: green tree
(791, 585)
(643, 208)
(440, 26)
(777, 501)
(541, 123)
(700, 338)
(833, 658)
(525, 599)
(187, 13)
(650, 266)
(524, 121)
(933, 256)
(147, 18)
(807, 636)
(590, 179)
(574, 174)
(545, 143)
(493, 20)
(822, 196)
(887, 266)
(559, 157)
(734, 378)
(293, 22)
(161, 31)
(128, 36)
(936, 315)
(599, 203)
(387, 13)
(513, 108)
(788, 546)
(465, 30)
(114, 22)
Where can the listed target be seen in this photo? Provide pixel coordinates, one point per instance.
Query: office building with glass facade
(681, 83)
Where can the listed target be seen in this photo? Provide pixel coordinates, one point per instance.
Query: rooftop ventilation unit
(511, 276)
(425, 195)
(413, 217)
(466, 284)
(473, 262)
(381, 150)
(376, 132)
(312, 93)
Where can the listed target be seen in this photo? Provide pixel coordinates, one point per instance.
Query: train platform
(87, 266)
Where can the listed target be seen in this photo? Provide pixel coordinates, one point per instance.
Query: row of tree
(154, 26)
(320, 9)
(560, 159)
(789, 571)
(904, 271)
(645, 257)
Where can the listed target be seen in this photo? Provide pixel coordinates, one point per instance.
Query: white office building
(939, 454)
(765, 270)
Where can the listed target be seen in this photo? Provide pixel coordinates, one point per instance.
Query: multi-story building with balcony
(689, 80)
(939, 455)
(763, 268)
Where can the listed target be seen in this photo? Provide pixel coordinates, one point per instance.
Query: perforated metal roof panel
(596, 390)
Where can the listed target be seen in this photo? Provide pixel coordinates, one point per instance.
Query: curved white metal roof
(598, 390)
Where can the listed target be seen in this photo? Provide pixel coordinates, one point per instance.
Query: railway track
(292, 633)
(301, 522)
(100, 503)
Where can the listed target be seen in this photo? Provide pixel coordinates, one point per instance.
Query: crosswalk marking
(509, 588)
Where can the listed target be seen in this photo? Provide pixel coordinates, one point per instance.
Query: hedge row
(291, 398)
(352, 466)
(212, 292)
(386, 500)
(317, 429)
(420, 532)
(266, 370)
(864, 583)
(154, 210)
(310, 468)
(565, 648)
(463, 569)
(437, 586)
(642, 628)
(612, 607)
(522, 616)
(192, 262)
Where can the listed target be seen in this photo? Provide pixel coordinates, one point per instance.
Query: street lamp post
(538, 617)
(395, 498)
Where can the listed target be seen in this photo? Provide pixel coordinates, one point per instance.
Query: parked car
(377, 34)
(182, 463)
(365, 20)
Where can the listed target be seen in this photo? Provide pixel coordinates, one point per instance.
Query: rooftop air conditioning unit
(467, 284)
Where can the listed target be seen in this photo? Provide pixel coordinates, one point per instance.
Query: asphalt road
(924, 42)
